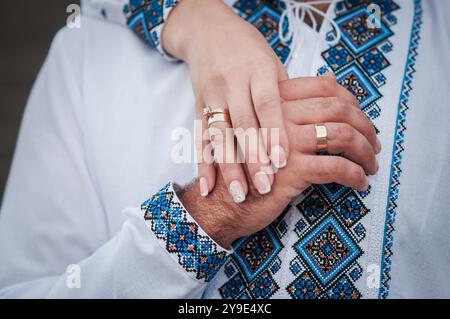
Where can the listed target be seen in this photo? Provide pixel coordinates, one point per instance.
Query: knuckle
(340, 108)
(354, 99)
(338, 167)
(243, 121)
(304, 166)
(266, 103)
(228, 73)
(219, 78)
(372, 134)
(358, 176)
(327, 85)
(346, 133)
(215, 80)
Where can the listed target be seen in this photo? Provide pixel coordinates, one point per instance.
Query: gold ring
(216, 115)
(321, 138)
(219, 118)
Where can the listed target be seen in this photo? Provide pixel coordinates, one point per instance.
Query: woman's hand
(232, 66)
(308, 101)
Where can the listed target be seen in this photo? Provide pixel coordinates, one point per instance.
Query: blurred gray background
(26, 30)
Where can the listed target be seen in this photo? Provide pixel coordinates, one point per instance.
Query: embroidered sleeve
(181, 236)
(147, 17)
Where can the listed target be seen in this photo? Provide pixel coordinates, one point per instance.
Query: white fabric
(421, 260)
(111, 10)
(63, 201)
(97, 137)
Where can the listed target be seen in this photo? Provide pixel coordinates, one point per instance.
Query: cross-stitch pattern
(331, 223)
(181, 236)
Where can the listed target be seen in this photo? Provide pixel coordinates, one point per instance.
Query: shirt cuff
(185, 241)
(147, 17)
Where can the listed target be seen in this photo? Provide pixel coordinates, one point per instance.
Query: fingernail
(237, 191)
(278, 156)
(262, 183)
(378, 150)
(203, 183)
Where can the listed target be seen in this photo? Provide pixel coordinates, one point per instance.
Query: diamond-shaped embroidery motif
(337, 57)
(343, 289)
(254, 253)
(351, 209)
(313, 206)
(373, 61)
(332, 191)
(266, 21)
(353, 79)
(233, 287)
(304, 287)
(357, 35)
(247, 7)
(182, 237)
(263, 287)
(331, 216)
(328, 249)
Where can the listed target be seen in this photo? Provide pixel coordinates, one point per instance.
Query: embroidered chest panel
(328, 220)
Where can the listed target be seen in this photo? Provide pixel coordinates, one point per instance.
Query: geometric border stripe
(394, 180)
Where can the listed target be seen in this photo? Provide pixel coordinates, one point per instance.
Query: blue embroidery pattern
(254, 262)
(265, 16)
(146, 18)
(391, 209)
(330, 227)
(328, 250)
(181, 236)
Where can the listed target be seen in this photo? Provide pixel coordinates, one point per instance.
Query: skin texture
(351, 133)
(231, 66)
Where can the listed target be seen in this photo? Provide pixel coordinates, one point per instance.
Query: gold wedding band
(321, 138)
(216, 115)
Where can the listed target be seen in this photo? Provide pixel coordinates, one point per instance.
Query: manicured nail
(378, 150)
(278, 156)
(237, 191)
(203, 183)
(262, 183)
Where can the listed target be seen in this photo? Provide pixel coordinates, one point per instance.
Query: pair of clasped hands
(232, 66)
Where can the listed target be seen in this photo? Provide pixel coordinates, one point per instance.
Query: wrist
(218, 218)
(185, 26)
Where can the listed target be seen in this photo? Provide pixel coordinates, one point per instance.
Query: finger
(222, 141)
(205, 160)
(342, 139)
(331, 169)
(321, 110)
(311, 87)
(282, 72)
(225, 154)
(267, 104)
(248, 135)
(343, 92)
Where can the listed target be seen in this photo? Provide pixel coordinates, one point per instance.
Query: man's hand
(308, 101)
